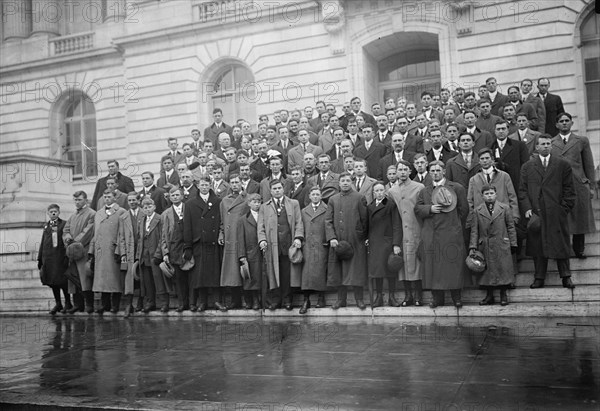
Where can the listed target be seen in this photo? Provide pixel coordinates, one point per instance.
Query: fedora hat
(167, 269)
(395, 262)
(534, 224)
(295, 255)
(75, 251)
(344, 250)
(444, 197)
(188, 264)
(476, 261)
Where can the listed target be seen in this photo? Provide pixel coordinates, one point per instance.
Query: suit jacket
(433, 114)
(149, 239)
(325, 141)
(445, 155)
(358, 142)
(124, 184)
(528, 139)
(498, 103)
(265, 189)
(296, 154)
(169, 244)
(511, 159)
(413, 142)
(252, 187)
(375, 153)
(457, 170)
(212, 133)
(505, 191)
(157, 194)
(482, 139)
(540, 109)
(176, 158)
(554, 106)
(192, 193)
(366, 189)
(369, 119)
(427, 181)
(530, 112)
(389, 160)
(222, 190)
(201, 223)
(162, 180)
(259, 170)
(333, 152)
(329, 187)
(300, 194)
(284, 151)
(387, 141)
(135, 221)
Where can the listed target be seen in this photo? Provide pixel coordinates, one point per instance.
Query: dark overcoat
(53, 259)
(233, 208)
(315, 248)
(201, 222)
(511, 158)
(550, 194)
(578, 154)
(442, 249)
(385, 231)
(494, 235)
(247, 235)
(346, 219)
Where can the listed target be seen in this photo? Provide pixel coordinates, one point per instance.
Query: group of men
(321, 203)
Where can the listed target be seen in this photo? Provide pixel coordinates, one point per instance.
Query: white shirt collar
(440, 183)
(147, 189)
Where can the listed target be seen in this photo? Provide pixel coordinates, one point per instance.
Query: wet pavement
(406, 364)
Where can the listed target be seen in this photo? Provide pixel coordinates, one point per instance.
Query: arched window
(590, 41)
(233, 90)
(78, 134)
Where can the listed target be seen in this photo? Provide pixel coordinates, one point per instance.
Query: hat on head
(444, 197)
(295, 255)
(344, 250)
(167, 269)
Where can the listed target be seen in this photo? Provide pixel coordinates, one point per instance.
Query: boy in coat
(52, 260)
(248, 252)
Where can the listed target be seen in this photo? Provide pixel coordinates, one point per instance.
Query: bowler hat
(476, 262)
(444, 197)
(534, 224)
(395, 262)
(344, 250)
(295, 255)
(75, 251)
(167, 269)
(188, 264)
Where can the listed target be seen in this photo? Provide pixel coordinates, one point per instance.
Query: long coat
(113, 236)
(347, 220)
(247, 238)
(442, 246)
(315, 248)
(171, 239)
(578, 154)
(152, 240)
(549, 194)
(372, 156)
(385, 231)
(233, 209)
(457, 170)
(511, 158)
(405, 196)
(494, 235)
(53, 259)
(124, 184)
(80, 227)
(554, 106)
(201, 223)
(505, 192)
(267, 231)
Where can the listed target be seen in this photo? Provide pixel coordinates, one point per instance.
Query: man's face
(346, 108)
(433, 126)
(246, 144)
(401, 102)
(411, 110)
(79, 202)
(133, 202)
(345, 184)
(331, 109)
(564, 124)
(173, 145)
(262, 149)
(254, 205)
(217, 174)
(452, 133)
(320, 107)
(526, 86)
(209, 166)
(111, 185)
(181, 167)
(284, 115)
(277, 190)
(348, 164)
(187, 151)
(218, 117)
(353, 128)
(186, 179)
(275, 166)
(296, 176)
(109, 199)
(303, 123)
(245, 128)
(334, 121)
(459, 96)
(421, 121)
(437, 173)
(148, 209)
(485, 108)
(338, 136)
(436, 101)
(237, 132)
(309, 161)
(175, 197)
(230, 156)
(324, 164)
(522, 122)
(486, 160)
(368, 133)
(470, 119)
(359, 168)
(376, 109)
(202, 158)
(402, 172)
(242, 159)
(360, 121)
(277, 118)
(379, 191)
(391, 175)
(245, 172)
(208, 147)
(203, 187)
(382, 123)
(196, 135)
(112, 168)
(168, 164)
(426, 100)
(420, 164)
(514, 95)
(235, 184)
(501, 131)
(400, 112)
(293, 125)
(509, 112)
(445, 96)
(308, 112)
(389, 104)
(402, 124)
(346, 147)
(255, 143)
(483, 92)
(303, 136)
(147, 180)
(397, 143)
(544, 146)
(543, 86)
(284, 133)
(53, 213)
(262, 129)
(391, 116)
(491, 85)
(315, 197)
(355, 104)
(295, 115)
(436, 139)
(465, 143)
(224, 141)
(470, 101)
(489, 196)
(263, 119)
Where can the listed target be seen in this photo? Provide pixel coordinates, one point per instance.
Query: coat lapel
(496, 211)
(321, 209)
(154, 222)
(287, 204)
(482, 211)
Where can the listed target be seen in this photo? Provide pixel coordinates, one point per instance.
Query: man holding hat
(443, 208)
(346, 226)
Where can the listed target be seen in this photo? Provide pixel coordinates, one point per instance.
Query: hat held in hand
(445, 197)
(344, 250)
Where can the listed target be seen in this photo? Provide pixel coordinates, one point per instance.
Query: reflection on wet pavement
(309, 364)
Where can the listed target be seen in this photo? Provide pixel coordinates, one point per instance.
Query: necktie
(304, 147)
(565, 140)
(468, 161)
(489, 177)
(315, 208)
(358, 184)
(543, 96)
(339, 152)
(545, 162)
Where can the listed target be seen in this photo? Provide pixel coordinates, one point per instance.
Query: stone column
(45, 17)
(17, 19)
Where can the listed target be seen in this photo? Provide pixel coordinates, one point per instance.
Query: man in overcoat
(577, 152)
(346, 220)
(546, 193)
(124, 183)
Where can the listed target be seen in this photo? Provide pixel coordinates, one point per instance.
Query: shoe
(180, 309)
(288, 306)
(55, 309)
(321, 302)
(581, 256)
(503, 298)
(164, 309)
(202, 307)
(458, 304)
(361, 304)
(488, 300)
(537, 283)
(305, 306)
(418, 303)
(378, 302)
(100, 311)
(256, 306)
(408, 301)
(66, 309)
(149, 308)
(338, 304)
(392, 302)
(89, 309)
(75, 309)
(233, 306)
(114, 310)
(433, 304)
(273, 307)
(139, 309)
(129, 310)
(193, 308)
(567, 283)
(220, 307)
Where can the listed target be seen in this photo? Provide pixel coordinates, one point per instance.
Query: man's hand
(156, 261)
(397, 250)
(333, 243)
(367, 242)
(436, 208)
(297, 243)
(262, 245)
(528, 214)
(166, 259)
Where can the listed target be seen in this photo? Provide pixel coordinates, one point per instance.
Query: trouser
(578, 243)
(440, 298)
(236, 296)
(284, 292)
(200, 295)
(391, 285)
(250, 296)
(147, 290)
(56, 292)
(182, 285)
(541, 267)
(343, 293)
